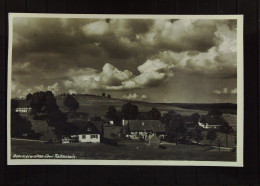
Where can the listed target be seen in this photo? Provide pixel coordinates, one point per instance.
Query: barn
(211, 122)
(142, 129)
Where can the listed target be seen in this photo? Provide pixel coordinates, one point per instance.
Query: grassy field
(99, 106)
(125, 150)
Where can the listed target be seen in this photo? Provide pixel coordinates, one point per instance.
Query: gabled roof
(212, 120)
(86, 128)
(89, 128)
(145, 125)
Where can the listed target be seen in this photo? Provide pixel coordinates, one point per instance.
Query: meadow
(125, 150)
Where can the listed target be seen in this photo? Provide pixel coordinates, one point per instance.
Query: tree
(58, 121)
(226, 129)
(195, 118)
(129, 111)
(143, 116)
(118, 118)
(214, 112)
(211, 135)
(29, 97)
(167, 116)
(71, 103)
(114, 115)
(19, 125)
(50, 102)
(14, 104)
(154, 114)
(111, 113)
(175, 127)
(37, 102)
(197, 134)
(43, 102)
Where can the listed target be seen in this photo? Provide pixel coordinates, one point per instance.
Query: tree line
(176, 129)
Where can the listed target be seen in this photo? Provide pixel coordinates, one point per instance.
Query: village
(65, 124)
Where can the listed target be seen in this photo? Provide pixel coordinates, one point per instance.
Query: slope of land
(97, 105)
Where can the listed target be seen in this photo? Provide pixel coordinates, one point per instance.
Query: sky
(154, 60)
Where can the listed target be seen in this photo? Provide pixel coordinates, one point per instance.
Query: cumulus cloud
(54, 88)
(151, 74)
(111, 76)
(96, 28)
(71, 55)
(134, 96)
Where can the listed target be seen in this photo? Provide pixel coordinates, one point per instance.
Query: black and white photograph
(125, 90)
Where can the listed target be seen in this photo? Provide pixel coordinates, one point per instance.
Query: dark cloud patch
(84, 55)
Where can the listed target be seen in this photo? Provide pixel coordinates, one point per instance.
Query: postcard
(87, 89)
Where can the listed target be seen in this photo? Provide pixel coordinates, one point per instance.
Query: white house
(23, 107)
(89, 134)
(211, 122)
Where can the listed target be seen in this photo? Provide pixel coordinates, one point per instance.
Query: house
(111, 122)
(142, 129)
(89, 134)
(154, 141)
(23, 106)
(211, 122)
(86, 132)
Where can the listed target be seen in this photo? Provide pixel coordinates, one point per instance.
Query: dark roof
(145, 125)
(23, 103)
(86, 128)
(213, 120)
(89, 128)
(99, 125)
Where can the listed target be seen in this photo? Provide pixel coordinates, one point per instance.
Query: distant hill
(98, 105)
(226, 108)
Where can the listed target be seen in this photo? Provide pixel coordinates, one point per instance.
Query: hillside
(95, 105)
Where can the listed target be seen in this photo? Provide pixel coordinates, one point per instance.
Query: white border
(240, 96)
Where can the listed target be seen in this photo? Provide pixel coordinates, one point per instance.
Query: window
(83, 136)
(89, 129)
(93, 136)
